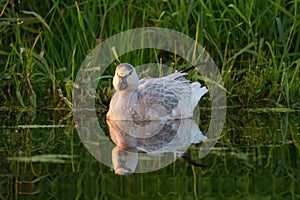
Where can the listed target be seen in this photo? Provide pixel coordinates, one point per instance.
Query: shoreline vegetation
(255, 44)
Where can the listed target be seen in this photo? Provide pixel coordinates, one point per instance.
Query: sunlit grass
(255, 44)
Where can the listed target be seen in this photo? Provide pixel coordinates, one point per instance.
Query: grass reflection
(255, 158)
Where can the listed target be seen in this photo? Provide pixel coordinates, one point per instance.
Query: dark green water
(257, 157)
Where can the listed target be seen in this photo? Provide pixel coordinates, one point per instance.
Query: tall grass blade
(80, 20)
(20, 98)
(39, 18)
(280, 30)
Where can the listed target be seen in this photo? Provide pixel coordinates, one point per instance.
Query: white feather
(170, 97)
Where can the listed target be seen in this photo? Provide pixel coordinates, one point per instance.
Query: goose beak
(123, 83)
(123, 171)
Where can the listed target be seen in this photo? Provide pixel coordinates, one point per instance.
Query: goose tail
(197, 93)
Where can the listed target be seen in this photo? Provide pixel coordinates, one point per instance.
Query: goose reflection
(148, 146)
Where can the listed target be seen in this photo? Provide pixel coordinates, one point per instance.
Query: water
(257, 157)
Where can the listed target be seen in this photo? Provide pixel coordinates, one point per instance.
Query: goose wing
(157, 100)
(156, 96)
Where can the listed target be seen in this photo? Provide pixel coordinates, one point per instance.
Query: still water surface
(257, 157)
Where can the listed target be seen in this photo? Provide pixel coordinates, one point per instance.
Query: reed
(254, 43)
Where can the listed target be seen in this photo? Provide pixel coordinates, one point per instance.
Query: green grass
(255, 44)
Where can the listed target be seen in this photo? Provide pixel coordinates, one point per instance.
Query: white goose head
(125, 78)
